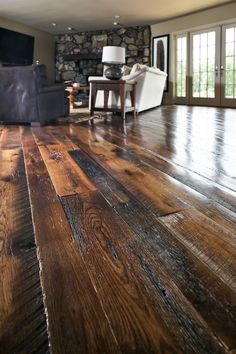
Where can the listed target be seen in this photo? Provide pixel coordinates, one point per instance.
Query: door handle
(222, 70)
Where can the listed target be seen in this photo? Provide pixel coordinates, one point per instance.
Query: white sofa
(149, 88)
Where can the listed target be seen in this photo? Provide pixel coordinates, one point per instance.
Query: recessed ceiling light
(116, 23)
(54, 24)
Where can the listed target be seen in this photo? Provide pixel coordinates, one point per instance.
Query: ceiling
(88, 15)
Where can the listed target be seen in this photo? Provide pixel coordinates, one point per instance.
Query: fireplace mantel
(82, 56)
(94, 56)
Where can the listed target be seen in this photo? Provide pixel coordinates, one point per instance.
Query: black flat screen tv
(15, 48)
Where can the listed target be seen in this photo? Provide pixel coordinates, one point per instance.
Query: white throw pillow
(125, 70)
(137, 67)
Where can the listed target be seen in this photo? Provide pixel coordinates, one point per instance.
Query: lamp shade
(113, 55)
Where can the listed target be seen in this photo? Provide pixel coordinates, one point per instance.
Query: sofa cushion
(137, 67)
(125, 70)
(142, 69)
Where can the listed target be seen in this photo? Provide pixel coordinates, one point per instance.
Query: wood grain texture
(191, 228)
(64, 173)
(188, 273)
(191, 137)
(10, 138)
(119, 237)
(48, 135)
(76, 321)
(134, 177)
(127, 309)
(146, 176)
(23, 326)
(192, 179)
(66, 176)
(143, 295)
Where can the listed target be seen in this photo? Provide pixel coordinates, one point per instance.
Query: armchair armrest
(52, 88)
(154, 71)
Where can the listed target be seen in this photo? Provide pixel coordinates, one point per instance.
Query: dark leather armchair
(25, 95)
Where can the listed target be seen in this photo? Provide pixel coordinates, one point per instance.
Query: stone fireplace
(78, 55)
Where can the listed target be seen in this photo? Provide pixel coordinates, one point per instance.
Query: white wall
(217, 15)
(44, 45)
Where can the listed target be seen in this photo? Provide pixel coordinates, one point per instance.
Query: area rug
(80, 115)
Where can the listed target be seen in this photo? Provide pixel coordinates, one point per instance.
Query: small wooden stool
(73, 92)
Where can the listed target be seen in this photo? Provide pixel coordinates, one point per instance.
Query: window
(181, 66)
(230, 63)
(203, 83)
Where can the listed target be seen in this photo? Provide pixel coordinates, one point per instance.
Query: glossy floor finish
(120, 237)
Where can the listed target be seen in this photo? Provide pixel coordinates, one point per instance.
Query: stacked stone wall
(78, 55)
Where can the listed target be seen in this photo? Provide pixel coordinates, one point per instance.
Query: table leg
(106, 96)
(133, 100)
(122, 100)
(93, 98)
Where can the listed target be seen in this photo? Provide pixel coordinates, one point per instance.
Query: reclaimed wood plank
(166, 261)
(62, 138)
(76, 320)
(48, 135)
(142, 185)
(220, 215)
(10, 137)
(194, 180)
(187, 196)
(23, 327)
(189, 139)
(187, 271)
(191, 228)
(44, 137)
(135, 290)
(66, 175)
(132, 339)
(199, 134)
(1, 131)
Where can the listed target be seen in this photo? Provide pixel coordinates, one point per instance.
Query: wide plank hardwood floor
(120, 237)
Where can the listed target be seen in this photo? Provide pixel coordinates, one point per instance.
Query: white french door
(228, 66)
(209, 75)
(205, 67)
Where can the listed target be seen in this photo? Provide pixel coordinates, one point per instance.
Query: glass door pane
(228, 67)
(181, 66)
(204, 67)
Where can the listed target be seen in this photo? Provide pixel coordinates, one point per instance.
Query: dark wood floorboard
(23, 327)
(120, 237)
(185, 270)
(76, 321)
